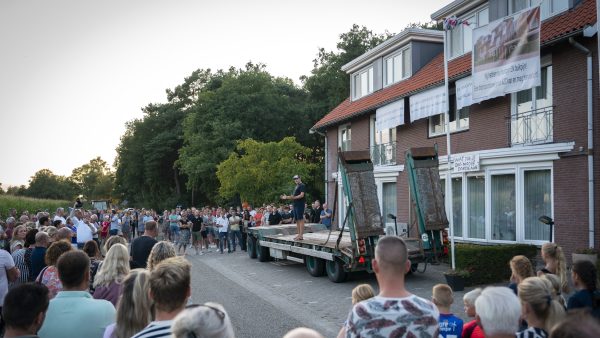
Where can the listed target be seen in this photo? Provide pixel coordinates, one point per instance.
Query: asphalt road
(269, 299)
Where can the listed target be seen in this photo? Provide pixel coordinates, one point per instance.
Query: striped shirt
(156, 330)
(532, 332)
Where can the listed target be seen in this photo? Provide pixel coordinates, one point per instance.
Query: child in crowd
(450, 325)
(471, 329)
(362, 292)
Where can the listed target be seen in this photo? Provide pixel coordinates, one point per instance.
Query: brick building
(532, 146)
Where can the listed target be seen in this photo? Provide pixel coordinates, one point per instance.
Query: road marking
(277, 285)
(315, 302)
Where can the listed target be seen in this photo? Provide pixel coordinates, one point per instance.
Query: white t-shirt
(6, 263)
(84, 233)
(61, 219)
(224, 223)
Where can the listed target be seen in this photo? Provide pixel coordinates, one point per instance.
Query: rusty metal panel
(431, 198)
(367, 218)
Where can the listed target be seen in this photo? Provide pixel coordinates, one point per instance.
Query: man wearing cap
(298, 200)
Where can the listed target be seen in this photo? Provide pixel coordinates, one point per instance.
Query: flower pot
(457, 283)
(584, 257)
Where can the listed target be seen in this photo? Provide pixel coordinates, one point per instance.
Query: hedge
(490, 263)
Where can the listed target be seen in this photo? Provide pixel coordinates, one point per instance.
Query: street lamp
(548, 220)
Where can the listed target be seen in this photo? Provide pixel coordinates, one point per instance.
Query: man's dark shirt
(300, 188)
(196, 223)
(140, 250)
(274, 218)
(285, 216)
(316, 216)
(37, 262)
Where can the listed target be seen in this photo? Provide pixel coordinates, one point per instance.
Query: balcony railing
(532, 127)
(384, 154)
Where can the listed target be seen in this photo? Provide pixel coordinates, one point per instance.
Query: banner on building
(464, 92)
(390, 115)
(506, 55)
(428, 103)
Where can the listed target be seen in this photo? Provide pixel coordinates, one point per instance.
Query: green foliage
(8, 202)
(94, 180)
(490, 263)
(46, 185)
(261, 172)
(434, 25)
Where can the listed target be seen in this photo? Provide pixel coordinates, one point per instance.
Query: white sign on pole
(464, 92)
(506, 55)
(429, 103)
(390, 116)
(465, 163)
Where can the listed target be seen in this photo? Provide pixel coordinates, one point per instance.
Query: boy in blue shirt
(450, 325)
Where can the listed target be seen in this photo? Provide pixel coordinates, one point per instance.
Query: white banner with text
(390, 115)
(428, 103)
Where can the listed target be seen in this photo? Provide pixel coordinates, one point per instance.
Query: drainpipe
(590, 145)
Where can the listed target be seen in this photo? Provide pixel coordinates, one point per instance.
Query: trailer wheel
(262, 252)
(251, 247)
(314, 266)
(335, 271)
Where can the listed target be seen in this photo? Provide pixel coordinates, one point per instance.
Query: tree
(434, 25)
(260, 172)
(94, 179)
(45, 184)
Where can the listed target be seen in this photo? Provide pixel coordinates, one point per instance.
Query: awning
(428, 103)
(390, 115)
(464, 92)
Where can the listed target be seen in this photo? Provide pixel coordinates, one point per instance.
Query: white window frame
(341, 129)
(547, 10)
(401, 52)
(458, 127)
(356, 89)
(475, 14)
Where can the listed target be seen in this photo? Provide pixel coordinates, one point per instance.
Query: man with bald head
(394, 312)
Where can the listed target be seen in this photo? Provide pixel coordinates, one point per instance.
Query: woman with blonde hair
(114, 269)
(554, 258)
(18, 240)
(521, 268)
(160, 251)
(362, 292)
(556, 288)
(134, 296)
(112, 240)
(539, 308)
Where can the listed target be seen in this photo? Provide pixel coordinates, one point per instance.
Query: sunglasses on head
(219, 313)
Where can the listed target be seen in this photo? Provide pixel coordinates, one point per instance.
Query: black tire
(251, 247)
(262, 252)
(335, 271)
(314, 266)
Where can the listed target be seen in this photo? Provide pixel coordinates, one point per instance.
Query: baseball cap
(295, 177)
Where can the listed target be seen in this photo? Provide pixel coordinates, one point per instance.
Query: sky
(73, 72)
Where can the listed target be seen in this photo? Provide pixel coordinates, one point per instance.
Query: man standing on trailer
(299, 201)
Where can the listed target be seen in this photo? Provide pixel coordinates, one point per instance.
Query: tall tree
(45, 184)
(94, 179)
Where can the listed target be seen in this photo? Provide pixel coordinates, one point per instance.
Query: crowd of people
(75, 269)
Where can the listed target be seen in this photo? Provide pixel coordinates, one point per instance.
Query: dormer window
(548, 8)
(397, 66)
(461, 37)
(363, 82)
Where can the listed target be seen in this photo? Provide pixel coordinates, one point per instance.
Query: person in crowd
(51, 231)
(71, 227)
(126, 225)
(555, 264)
(141, 246)
(577, 324)
(539, 308)
(286, 215)
(170, 288)
(85, 229)
(64, 234)
(73, 312)
(450, 325)
(147, 217)
(43, 221)
(394, 304)
(197, 226)
(97, 228)
(303, 332)
(185, 235)
(257, 218)
(18, 239)
(498, 312)
(174, 225)
(299, 203)
(235, 234)
(60, 216)
(112, 272)
(209, 320)
(8, 273)
(362, 292)
(24, 310)
(49, 275)
(93, 251)
(115, 223)
(134, 296)
(585, 279)
(42, 240)
(325, 216)
(317, 209)
(222, 224)
(112, 240)
(521, 268)
(274, 217)
(160, 251)
(471, 329)
(554, 280)
(22, 257)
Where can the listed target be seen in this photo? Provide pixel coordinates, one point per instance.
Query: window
(537, 202)
(397, 67)
(476, 206)
(389, 193)
(457, 206)
(461, 37)
(346, 138)
(548, 8)
(531, 120)
(503, 207)
(458, 120)
(363, 83)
